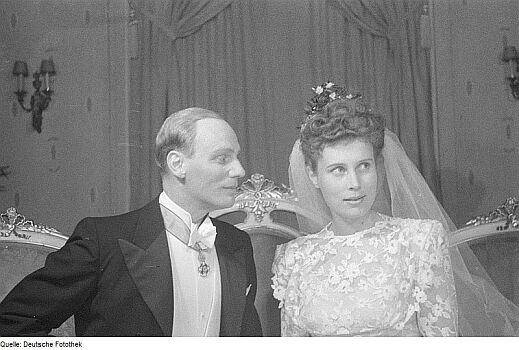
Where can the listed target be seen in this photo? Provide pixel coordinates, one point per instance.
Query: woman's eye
(338, 170)
(365, 166)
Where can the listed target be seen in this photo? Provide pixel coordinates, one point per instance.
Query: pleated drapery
(161, 23)
(255, 61)
(407, 70)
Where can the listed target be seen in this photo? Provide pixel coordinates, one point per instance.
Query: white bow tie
(204, 235)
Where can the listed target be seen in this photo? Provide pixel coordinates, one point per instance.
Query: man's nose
(237, 170)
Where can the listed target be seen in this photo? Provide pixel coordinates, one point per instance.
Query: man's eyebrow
(225, 150)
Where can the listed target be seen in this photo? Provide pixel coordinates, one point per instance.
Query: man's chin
(225, 204)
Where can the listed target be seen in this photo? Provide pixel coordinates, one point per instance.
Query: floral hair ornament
(328, 92)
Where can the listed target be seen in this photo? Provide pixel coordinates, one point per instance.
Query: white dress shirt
(196, 298)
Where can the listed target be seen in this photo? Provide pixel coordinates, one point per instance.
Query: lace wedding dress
(393, 279)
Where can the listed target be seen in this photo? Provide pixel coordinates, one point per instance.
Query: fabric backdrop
(255, 61)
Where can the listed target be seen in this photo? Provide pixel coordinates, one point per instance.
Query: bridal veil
(403, 192)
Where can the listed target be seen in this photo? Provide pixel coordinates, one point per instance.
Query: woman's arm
(435, 291)
(283, 264)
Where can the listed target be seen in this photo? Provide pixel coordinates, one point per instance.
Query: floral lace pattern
(393, 279)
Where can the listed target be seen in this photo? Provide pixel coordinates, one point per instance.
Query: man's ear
(312, 175)
(175, 162)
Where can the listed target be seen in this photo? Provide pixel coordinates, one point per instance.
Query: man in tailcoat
(167, 269)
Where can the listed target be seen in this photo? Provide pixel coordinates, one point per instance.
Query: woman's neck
(343, 227)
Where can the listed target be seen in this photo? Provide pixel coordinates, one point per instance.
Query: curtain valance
(180, 18)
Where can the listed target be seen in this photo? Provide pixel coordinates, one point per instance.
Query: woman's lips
(354, 199)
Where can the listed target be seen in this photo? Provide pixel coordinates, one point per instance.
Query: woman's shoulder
(420, 232)
(294, 248)
(293, 244)
(307, 238)
(417, 224)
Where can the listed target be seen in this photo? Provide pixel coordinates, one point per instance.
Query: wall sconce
(511, 57)
(40, 99)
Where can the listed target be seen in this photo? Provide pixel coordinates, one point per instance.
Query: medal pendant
(203, 269)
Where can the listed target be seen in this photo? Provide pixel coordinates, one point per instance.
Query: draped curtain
(407, 72)
(161, 23)
(254, 61)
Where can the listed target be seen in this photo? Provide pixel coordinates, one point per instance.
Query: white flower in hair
(328, 92)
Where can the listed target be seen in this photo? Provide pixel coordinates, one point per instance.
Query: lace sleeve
(434, 291)
(282, 267)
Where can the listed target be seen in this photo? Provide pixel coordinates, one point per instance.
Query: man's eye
(223, 159)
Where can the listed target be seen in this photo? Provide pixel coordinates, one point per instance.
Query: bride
(381, 265)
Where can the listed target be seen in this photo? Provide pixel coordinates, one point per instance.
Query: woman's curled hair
(340, 120)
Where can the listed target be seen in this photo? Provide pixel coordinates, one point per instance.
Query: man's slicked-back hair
(178, 133)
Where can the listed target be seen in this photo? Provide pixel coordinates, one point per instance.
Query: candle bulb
(46, 84)
(20, 85)
(47, 69)
(510, 56)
